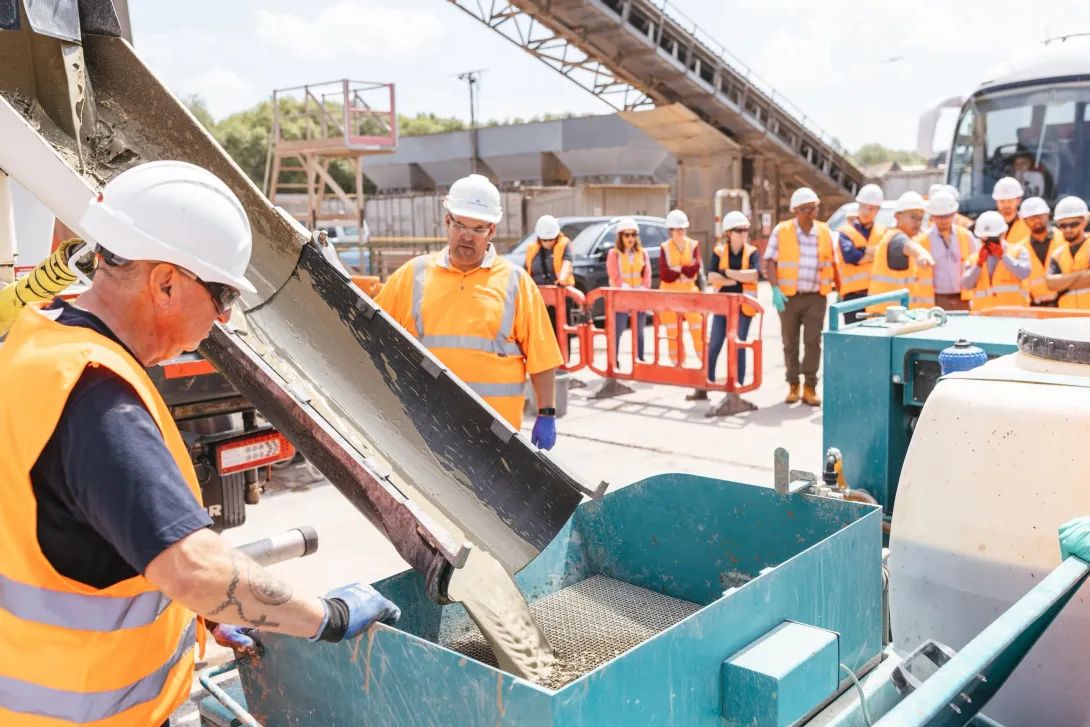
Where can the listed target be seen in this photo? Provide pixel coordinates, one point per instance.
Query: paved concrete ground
(621, 440)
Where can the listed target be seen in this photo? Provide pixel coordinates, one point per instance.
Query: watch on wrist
(546, 412)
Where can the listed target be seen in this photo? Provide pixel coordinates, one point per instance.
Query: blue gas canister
(962, 356)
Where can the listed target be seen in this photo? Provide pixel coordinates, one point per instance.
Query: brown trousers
(803, 317)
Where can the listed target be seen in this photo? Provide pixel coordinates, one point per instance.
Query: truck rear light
(252, 452)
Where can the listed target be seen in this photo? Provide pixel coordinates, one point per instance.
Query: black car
(591, 239)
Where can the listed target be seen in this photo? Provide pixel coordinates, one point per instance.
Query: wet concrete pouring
(588, 624)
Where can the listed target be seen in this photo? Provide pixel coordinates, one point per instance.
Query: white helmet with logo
(178, 213)
(476, 198)
(1070, 207)
(1032, 206)
(990, 225)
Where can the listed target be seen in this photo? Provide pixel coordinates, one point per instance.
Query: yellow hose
(45, 281)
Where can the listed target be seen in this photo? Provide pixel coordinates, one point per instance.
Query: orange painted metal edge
(187, 368)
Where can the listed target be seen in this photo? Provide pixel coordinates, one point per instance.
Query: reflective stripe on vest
(117, 655)
(789, 254)
(723, 251)
(498, 345)
(77, 611)
(1035, 284)
(80, 707)
(884, 279)
(1075, 299)
(631, 270)
(1000, 287)
(675, 260)
(855, 278)
(558, 258)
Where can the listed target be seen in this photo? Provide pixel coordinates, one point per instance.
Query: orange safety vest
(884, 279)
(70, 653)
(558, 258)
(1003, 289)
(481, 351)
(1035, 284)
(632, 270)
(1018, 231)
(962, 221)
(856, 278)
(787, 261)
(723, 251)
(675, 260)
(1075, 299)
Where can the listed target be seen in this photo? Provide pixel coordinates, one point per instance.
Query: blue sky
(863, 71)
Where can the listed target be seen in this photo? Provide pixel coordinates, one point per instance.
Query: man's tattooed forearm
(266, 587)
(232, 599)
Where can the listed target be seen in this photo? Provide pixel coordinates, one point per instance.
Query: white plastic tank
(1000, 458)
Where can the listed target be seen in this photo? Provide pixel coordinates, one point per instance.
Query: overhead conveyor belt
(637, 54)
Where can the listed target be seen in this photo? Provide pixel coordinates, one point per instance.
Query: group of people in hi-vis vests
(734, 268)
(1023, 253)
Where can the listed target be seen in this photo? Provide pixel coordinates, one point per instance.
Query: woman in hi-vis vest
(733, 268)
(629, 267)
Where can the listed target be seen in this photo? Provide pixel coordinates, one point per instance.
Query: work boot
(793, 394)
(809, 396)
(697, 395)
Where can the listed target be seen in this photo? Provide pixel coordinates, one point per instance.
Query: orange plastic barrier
(629, 301)
(562, 299)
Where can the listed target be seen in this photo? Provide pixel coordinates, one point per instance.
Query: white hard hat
(1007, 188)
(734, 220)
(1069, 207)
(676, 220)
(935, 189)
(990, 225)
(627, 224)
(801, 196)
(911, 201)
(476, 198)
(870, 194)
(547, 228)
(174, 212)
(851, 209)
(1033, 206)
(953, 191)
(941, 203)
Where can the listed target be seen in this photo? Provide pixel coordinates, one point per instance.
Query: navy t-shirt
(734, 262)
(110, 495)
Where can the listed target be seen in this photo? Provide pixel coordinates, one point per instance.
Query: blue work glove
(1075, 538)
(544, 434)
(779, 300)
(359, 606)
(237, 638)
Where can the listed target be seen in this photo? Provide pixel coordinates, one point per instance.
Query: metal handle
(290, 544)
(849, 306)
(205, 678)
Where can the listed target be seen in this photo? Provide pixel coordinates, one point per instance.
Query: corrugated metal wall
(421, 215)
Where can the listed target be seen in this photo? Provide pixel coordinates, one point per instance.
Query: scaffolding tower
(315, 126)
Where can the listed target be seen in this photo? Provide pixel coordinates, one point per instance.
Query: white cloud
(363, 29)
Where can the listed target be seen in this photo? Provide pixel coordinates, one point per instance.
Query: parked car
(349, 235)
(591, 239)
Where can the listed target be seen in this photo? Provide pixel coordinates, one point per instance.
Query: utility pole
(473, 78)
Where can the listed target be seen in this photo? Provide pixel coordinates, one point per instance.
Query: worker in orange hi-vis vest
(1043, 242)
(996, 273)
(1069, 268)
(800, 262)
(1008, 194)
(108, 565)
(679, 269)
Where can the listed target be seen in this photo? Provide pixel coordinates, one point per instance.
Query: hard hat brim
(473, 213)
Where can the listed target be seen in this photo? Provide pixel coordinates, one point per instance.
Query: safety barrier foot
(611, 388)
(730, 405)
(574, 383)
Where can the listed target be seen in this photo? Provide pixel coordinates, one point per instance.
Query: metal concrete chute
(407, 443)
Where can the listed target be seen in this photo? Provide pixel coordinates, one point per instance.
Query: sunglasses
(1069, 225)
(223, 296)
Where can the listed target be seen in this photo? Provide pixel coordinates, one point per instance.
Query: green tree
(875, 153)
